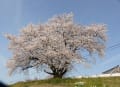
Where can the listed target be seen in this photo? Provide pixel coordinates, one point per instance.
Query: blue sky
(15, 14)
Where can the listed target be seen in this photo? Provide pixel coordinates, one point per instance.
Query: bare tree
(55, 45)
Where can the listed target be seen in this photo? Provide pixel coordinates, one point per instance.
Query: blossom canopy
(55, 44)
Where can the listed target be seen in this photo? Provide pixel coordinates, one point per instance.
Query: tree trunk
(57, 73)
(57, 76)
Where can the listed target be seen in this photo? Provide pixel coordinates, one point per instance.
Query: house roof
(115, 69)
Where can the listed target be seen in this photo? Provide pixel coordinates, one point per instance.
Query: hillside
(68, 82)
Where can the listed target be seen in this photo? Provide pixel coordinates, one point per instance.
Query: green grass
(68, 82)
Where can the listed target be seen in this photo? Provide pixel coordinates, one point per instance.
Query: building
(113, 70)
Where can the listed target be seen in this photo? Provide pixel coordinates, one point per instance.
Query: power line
(114, 46)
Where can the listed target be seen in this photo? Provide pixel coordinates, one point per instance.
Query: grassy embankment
(88, 82)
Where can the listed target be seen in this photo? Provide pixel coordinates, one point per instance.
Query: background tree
(55, 45)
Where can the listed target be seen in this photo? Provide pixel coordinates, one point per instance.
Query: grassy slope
(89, 82)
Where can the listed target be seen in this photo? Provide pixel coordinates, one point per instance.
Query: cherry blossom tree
(55, 45)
